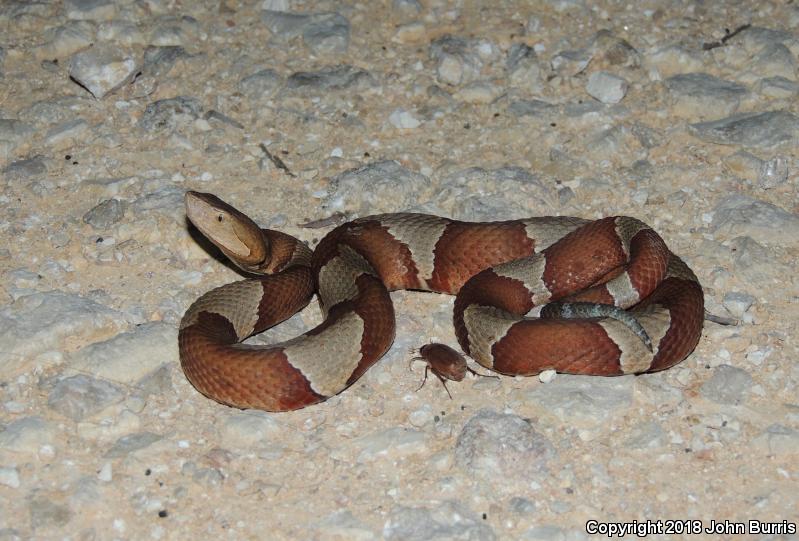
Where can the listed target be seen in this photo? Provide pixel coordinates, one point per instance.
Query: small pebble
(727, 385)
(102, 69)
(9, 477)
(606, 87)
(547, 376)
(738, 303)
(105, 473)
(400, 118)
(773, 173)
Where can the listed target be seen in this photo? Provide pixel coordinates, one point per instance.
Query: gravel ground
(683, 114)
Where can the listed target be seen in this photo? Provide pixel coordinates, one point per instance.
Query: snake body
(501, 273)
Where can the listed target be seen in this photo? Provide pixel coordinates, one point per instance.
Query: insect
(445, 363)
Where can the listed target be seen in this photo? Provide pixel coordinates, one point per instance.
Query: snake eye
(219, 218)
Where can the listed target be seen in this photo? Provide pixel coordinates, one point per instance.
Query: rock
(774, 60)
(109, 428)
(26, 169)
(778, 87)
(535, 108)
(105, 214)
(757, 356)
(754, 263)
(24, 279)
(773, 173)
(562, 6)
(170, 113)
(547, 376)
(167, 200)
(778, 440)
(759, 130)
(391, 444)
(450, 520)
(548, 532)
(223, 118)
(618, 143)
(67, 40)
(158, 383)
(755, 38)
(341, 77)
(476, 193)
(700, 95)
(496, 445)
(80, 396)
(285, 25)
(40, 321)
(674, 59)
(14, 132)
(208, 477)
(571, 62)
(583, 401)
(103, 69)
(323, 33)
(261, 84)
(606, 87)
(737, 303)
(64, 134)
(647, 136)
(400, 118)
(327, 34)
(582, 109)
(410, 33)
(121, 32)
(158, 61)
(743, 164)
(131, 443)
(521, 506)
(56, 110)
(460, 60)
(27, 435)
(9, 477)
(421, 417)
(727, 385)
(479, 92)
(739, 215)
(275, 5)
(175, 31)
(523, 67)
(250, 429)
(646, 435)
(614, 51)
(130, 356)
(343, 525)
(406, 9)
(90, 10)
(372, 182)
(45, 513)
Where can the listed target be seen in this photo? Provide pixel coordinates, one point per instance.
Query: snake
(602, 297)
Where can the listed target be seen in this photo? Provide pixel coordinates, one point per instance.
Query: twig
(334, 219)
(721, 320)
(726, 38)
(277, 161)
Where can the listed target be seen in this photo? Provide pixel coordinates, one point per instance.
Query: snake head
(239, 238)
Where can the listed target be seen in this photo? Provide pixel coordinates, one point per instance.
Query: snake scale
(620, 301)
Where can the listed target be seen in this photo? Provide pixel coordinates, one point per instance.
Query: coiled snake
(623, 303)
